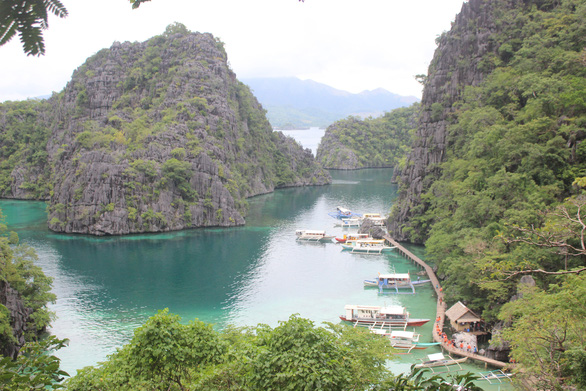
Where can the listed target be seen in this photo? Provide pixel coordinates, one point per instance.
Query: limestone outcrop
(158, 136)
(458, 62)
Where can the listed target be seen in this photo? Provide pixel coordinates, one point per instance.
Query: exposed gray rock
(19, 318)
(159, 136)
(335, 154)
(455, 65)
(498, 350)
(368, 227)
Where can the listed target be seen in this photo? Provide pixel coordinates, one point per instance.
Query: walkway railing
(441, 307)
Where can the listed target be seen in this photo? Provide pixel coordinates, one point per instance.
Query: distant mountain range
(292, 103)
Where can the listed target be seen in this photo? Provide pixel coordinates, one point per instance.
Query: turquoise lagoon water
(258, 273)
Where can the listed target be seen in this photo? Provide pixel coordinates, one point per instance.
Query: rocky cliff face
(333, 153)
(19, 316)
(160, 136)
(460, 60)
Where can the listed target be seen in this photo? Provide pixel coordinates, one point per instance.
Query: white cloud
(349, 45)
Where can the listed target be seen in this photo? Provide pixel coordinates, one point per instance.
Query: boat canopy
(393, 310)
(395, 276)
(436, 357)
(344, 210)
(402, 334)
(309, 232)
(361, 307)
(370, 241)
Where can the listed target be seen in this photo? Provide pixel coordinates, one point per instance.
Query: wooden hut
(463, 318)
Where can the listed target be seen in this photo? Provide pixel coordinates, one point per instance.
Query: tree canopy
(28, 18)
(165, 354)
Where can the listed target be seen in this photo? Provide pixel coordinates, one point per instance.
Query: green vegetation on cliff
(147, 137)
(23, 149)
(24, 294)
(506, 199)
(353, 143)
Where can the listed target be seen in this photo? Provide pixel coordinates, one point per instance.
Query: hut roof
(462, 313)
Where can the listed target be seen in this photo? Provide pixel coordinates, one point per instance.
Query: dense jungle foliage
(510, 195)
(23, 142)
(372, 142)
(515, 150)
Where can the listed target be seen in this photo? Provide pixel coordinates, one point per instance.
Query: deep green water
(258, 273)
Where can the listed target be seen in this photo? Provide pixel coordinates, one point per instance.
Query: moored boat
(313, 235)
(352, 238)
(390, 280)
(349, 223)
(376, 218)
(402, 340)
(380, 317)
(439, 360)
(370, 246)
(343, 213)
(394, 281)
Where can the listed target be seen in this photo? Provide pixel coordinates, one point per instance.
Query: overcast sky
(352, 45)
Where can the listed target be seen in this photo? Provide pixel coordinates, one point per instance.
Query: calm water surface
(106, 287)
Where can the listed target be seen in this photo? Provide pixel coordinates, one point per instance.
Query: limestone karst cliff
(155, 136)
(460, 60)
(19, 316)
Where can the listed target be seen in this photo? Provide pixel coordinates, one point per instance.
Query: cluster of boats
(389, 321)
(349, 219)
(358, 243)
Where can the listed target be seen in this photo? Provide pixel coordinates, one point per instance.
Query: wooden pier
(441, 308)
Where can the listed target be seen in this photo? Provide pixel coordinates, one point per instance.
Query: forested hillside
(353, 143)
(494, 185)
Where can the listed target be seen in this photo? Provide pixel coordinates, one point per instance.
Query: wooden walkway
(441, 308)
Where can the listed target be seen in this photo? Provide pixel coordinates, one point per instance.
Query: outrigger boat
(402, 340)
(439, 360)
(380, 317)
(312, 236)
(352, 238)
(391, 281)
(496, 376)
(343, 213)
(372, 246)
(349, 223)
(394, 281)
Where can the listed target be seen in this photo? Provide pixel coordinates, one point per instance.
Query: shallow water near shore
(258, 273)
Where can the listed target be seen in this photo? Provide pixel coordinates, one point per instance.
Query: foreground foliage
(35, 368)
(555, 318)
(165, 354)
